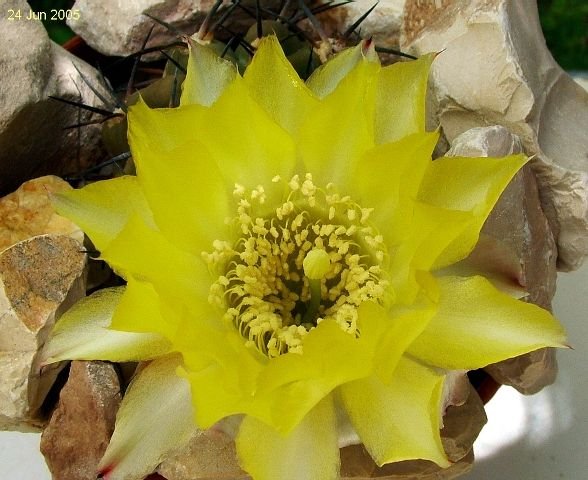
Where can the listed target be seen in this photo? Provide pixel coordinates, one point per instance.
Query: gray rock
(81, 426)
(33, 141)
(120, 28)
(495, 69)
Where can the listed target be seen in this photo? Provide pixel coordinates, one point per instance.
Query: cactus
(233, 32)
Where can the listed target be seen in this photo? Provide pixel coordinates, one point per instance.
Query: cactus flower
(285, 247)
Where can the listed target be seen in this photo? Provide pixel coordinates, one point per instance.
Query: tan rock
(355, 466)
(28, 212)
(461, 426)
(210, 454)
(81, 426)
(496, 69)
(528, 373)
(39, 279)
(33, 141)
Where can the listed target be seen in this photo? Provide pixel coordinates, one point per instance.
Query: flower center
(314, 257)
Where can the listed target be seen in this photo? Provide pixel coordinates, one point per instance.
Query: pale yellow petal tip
(269, 42)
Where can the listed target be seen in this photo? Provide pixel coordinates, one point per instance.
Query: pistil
(316, 265)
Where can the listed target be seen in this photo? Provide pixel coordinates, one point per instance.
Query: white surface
(542, 437)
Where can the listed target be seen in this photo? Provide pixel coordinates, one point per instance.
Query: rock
(518, 224)
(28, 212)
(461, 426)
(355, 466)
(39, 279)
(382, 24)
(209, 454)
(81, 426)
(33, 141)
(120, 28)
(528, 373)
(496, 69)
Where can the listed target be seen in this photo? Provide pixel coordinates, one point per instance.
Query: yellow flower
(287, 240)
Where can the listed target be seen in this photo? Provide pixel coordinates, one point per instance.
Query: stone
(120, 28)
(209, 454)
(28, 212)
(382, 24)
(496, 69)
(33, 141)
(527, 373)
(356, 466)
(81, 425)
(39, 279)
(519, 225)
(461, 426)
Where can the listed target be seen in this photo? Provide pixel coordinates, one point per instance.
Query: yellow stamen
(316, 258)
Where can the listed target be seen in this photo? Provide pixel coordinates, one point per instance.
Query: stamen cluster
(263, 288)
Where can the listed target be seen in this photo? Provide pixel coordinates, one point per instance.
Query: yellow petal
(82, 333)
(421, 237)
(388, 177)
(393, 331)
(145, 254)
(222, 372)
(310, 451)
(400, 101)
(335, 136)
(102, 209)
(477, 325)
(139, 310)
(435, 229)
(496, 261)
(247, 145)
(181, 181)
(155, 417)
(467, 184)
(326, 78)
(401, 420)
(292, 384)
(207, 76)
(235, 134)
(274, 84)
